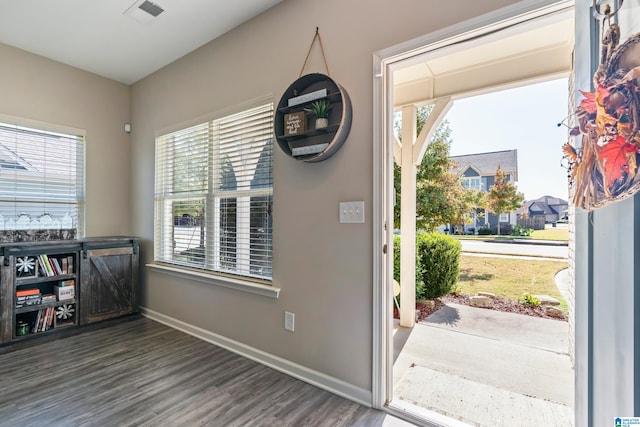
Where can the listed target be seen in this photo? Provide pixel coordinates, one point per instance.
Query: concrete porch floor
(486, 367)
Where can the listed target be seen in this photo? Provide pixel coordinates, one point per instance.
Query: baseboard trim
(318, 379)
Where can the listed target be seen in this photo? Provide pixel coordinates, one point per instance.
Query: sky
(525, 119)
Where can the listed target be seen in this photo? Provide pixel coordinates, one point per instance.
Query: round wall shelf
(296, 131)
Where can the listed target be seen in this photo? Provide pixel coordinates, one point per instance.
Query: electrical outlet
(289, 321)
(352, 212)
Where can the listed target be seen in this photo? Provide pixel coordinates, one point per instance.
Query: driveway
(486, 367)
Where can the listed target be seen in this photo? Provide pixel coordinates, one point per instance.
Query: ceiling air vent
(151, 8)
(144, 11)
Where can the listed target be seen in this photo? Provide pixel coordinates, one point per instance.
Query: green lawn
(509, 278)
(550, 233)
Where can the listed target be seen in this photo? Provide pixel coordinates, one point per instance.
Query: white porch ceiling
(531, 52)
(98, 37)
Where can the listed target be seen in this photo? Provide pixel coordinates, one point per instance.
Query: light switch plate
(352, 212)
(289, 321)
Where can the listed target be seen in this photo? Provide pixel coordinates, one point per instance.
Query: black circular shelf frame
(314, 145)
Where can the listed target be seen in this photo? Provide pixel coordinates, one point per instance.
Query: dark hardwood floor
(139, 372)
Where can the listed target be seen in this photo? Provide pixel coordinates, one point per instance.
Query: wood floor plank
(141, 373)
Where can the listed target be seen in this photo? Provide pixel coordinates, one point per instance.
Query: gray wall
(607, 279)
(38, 89)
(324, 268)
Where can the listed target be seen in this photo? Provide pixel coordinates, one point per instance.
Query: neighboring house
(477, 172)
(547, 208)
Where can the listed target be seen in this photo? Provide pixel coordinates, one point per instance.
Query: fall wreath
(604, 167)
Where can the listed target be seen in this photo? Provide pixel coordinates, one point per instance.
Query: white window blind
(41, 180)
(213, 195)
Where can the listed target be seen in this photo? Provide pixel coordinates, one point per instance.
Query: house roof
(551, 201)
(545, 205)
(487, 163)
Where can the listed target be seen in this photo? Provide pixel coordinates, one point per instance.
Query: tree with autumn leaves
(503, 196)
(440, 197)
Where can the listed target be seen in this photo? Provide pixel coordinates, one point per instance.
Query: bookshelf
(50, 286)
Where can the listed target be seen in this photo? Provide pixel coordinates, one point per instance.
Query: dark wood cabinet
(106, 281)
(49, 286)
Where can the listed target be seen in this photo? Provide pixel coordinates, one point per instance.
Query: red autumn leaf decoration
(614, 159)
(593, 99)
(604, 166)
(588, 104)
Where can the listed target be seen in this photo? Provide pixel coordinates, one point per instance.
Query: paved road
(519, 249)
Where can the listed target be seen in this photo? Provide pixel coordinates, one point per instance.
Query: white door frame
(384, 63)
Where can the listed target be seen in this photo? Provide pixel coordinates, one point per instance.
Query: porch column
(408, 219)
(409, 155)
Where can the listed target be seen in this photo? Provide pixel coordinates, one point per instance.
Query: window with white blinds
(41, 181)
(213, 195)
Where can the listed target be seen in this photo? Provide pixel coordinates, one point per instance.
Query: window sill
(225, 282)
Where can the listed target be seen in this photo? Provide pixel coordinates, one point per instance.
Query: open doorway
(485, 354)
(509, 54)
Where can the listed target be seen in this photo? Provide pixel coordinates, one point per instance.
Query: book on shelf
(25, 292)
(43, 320)
(47, 319)
(46, 265)
(36, 323)
(28, 300)
(43, 313)
(42, 272)
(51, 316)
(48, 298)
(55, 266)
(26, 297)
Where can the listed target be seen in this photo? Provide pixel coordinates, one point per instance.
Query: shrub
(485, 231)
(505, 229)
(528, 299)
(439, 264)
(396, 268)
(521, 231)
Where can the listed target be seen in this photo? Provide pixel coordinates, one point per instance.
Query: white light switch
(352, 212)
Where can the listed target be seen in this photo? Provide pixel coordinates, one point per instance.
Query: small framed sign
(294, 123)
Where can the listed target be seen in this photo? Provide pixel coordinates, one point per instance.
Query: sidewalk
(531, 242)
(486, 367)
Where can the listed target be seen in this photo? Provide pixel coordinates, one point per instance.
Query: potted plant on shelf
(320, 109)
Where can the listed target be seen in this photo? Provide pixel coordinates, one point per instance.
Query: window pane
(226, 165)
(41, 181)
(188, 231)
(228, 229)
(261, 235)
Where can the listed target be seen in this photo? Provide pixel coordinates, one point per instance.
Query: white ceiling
(98, 37)
(535, 50)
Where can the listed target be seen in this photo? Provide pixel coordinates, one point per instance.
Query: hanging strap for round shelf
(324, 58)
